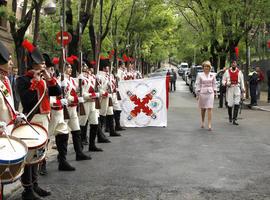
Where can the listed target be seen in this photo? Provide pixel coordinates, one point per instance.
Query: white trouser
(42, 119)
(73, 122)
(116, 103)
(105, 108)
(91, 114)
(57, 124)
(233, 95)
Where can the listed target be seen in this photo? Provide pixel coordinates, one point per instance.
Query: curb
(260, 108)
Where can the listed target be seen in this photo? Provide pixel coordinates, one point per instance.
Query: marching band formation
(51, 107)
(55, 103)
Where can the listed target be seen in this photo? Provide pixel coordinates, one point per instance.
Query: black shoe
(42, 169)
(114, 134)
(82, 157)
(94, 148)
(103, 140)
(65, 166)
(85, 142)
(107, 130)
(230, 120)
(29, 195)
(235, 123)
(41, 192)
(119, 128)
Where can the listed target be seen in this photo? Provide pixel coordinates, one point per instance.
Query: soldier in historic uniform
(71, 86)
(105, 91)
(33, 87)
(121, 71)
(7, 111)
(233, 79)
(57, 126)
(91, 116)
(116, 102)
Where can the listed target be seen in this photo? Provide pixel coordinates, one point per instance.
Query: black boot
(62, 143)
(40, 192)
(101, 136)
(107, 125)
(28, 194)
(235, 114)
(42, 168)
(118, 126)
(230, 113)
(113, 133)
(77, 143)
(92, 138)
(102, 121)
(84, 134)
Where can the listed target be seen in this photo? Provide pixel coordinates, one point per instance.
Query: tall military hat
(34, 56)
(48, 60)
(92, 64)
(4, 54)
(104, 63)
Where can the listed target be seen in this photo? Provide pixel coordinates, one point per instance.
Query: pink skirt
(206, 100)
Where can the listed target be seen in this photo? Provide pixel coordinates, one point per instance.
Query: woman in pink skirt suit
(205, 92)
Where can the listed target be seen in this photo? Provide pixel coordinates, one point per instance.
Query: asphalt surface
(179, 162)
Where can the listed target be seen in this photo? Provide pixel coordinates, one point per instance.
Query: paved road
(179, 162)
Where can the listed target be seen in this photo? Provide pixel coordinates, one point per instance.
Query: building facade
(5, 35)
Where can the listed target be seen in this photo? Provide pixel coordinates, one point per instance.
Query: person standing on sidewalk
(233, 79)
(253, 86)
(260, 80)
(173, 80)
(206, 90)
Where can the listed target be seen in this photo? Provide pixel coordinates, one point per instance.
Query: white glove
(20, 117)
(3, 127)
(64, 102)
(97, 95)
(81, 100)
(228, 84)
(110, 95)
(81, 77)
(64, 83)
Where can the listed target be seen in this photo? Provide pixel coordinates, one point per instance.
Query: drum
(11, 159)
(35, 140)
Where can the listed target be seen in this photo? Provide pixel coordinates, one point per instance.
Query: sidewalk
(262, 103)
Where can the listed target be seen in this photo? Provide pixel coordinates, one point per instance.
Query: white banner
(143, 102)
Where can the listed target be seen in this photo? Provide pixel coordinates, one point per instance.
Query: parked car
(182, 68)
(160, 72)
(192, 77)
(186, 76)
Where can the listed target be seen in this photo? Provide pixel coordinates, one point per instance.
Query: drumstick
(2, 147)
(31, 126)
(28, 138)
(10, 142)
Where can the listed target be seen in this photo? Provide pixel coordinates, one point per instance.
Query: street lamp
(50, 8)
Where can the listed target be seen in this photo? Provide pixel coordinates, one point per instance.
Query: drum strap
(11, 110)
(31, 114)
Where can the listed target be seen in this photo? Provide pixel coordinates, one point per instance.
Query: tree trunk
(222, 61)
(37, 17)
(21, 56)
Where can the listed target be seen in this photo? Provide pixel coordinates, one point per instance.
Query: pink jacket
(205, 84)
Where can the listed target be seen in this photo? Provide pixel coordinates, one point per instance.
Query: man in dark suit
(12, 78)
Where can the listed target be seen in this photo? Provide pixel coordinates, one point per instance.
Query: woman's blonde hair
(206, 64)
